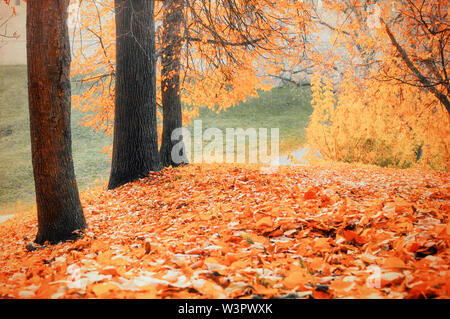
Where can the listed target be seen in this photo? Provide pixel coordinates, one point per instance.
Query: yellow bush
(378, 123)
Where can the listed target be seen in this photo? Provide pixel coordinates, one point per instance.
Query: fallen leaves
(103, 290)
(391, 278)
(233, 232)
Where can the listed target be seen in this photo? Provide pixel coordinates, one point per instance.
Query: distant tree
(135, 146)
(6, 34)
(48, 56)
(172, 42)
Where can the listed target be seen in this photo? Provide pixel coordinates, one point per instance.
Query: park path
(299, 156)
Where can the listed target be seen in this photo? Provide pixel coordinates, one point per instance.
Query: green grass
(16, 175)
(287, 108)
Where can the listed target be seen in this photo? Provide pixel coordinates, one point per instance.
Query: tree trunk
(48, 57)
(170, 81)
(135, 146)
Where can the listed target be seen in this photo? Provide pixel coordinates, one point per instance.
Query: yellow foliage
(376, 123)
(380, 112)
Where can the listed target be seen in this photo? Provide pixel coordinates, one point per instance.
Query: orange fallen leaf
(296, 278)
(264, 291)
(239, 264)
(103, 289)
(264, 222)
(322, 243)
(310, 194)
(391, 278)
(109, 271)
(393, 262)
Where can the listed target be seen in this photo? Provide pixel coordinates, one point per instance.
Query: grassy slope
(287, 108)
(16, 177)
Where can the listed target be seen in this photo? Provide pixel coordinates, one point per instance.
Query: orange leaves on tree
(210, 77)
(369, 106)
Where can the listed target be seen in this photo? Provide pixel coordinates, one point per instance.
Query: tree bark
(135, 146)
(48, 57)
(170, 81)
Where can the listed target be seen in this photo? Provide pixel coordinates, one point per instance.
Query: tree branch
(422, 79)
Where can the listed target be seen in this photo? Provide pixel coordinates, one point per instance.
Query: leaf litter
(223, 231)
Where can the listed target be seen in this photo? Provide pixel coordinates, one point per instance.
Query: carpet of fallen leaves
(223, 231)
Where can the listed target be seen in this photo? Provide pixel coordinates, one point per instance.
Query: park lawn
(16, 175)
(287, 108)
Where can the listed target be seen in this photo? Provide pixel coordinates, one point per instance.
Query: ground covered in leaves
(246, 232)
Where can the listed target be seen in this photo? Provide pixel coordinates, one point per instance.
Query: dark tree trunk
(135, 147)
(170, 81)
(48, 56)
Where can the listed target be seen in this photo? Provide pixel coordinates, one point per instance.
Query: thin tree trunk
(170, 81)
(48, 57)
(135, 146)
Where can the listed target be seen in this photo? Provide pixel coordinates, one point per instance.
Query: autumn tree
(421, 45)
(135, 146)
(224, 51)
(59, 209)
(385, 72)
(184, 24)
